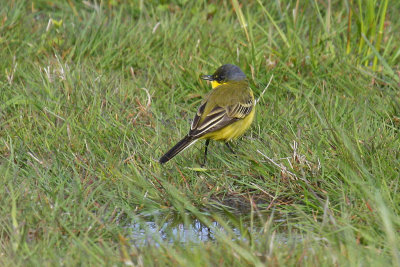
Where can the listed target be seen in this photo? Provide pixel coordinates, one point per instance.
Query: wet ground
(154, 231)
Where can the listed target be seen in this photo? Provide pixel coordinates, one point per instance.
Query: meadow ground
(92, 94)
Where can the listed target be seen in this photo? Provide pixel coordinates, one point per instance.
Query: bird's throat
(215, 84)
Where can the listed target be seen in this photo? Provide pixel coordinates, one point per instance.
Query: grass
(86, 93)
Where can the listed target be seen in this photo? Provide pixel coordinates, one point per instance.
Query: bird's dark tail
(179, 147)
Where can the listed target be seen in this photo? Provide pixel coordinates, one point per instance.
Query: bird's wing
(219, 117)
(241, 110)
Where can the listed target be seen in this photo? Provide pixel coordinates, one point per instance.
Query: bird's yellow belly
(233, 130)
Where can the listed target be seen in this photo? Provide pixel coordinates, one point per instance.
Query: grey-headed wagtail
(225, 113)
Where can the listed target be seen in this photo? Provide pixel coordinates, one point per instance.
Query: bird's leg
(205, 152)
(227, 144)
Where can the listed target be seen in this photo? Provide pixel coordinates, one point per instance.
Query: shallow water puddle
(152, 233)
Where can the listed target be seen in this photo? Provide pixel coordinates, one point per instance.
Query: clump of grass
(370, 19)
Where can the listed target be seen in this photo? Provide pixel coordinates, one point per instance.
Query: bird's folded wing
(240, 110)
(218, 117)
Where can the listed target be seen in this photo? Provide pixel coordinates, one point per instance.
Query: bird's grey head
(225, 73)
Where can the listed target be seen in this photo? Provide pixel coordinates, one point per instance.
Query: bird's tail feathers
(179, 147)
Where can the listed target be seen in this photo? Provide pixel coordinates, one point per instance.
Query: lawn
(92, 93)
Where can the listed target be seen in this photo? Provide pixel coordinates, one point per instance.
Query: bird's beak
(207, 77)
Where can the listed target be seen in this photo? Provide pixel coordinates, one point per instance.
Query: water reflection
(158, 228)
(149, 233)
(153, 232)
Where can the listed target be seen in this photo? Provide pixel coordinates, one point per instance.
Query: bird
(224, 114)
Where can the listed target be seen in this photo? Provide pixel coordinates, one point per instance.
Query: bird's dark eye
(219, 78)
